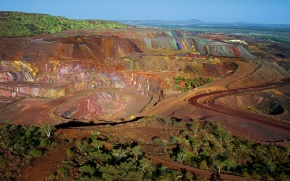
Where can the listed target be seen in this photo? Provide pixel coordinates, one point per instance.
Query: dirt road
(199, 172)
(207, 101)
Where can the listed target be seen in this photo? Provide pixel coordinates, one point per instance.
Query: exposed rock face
(100, 45)
(32, 89)
(52, 66)
(90, 48)
(194, 67)
(103, 105)
(57, 78)
(265, 72)
(215, 48)
(131, 61)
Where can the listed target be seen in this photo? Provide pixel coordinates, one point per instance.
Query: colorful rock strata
(118, 66)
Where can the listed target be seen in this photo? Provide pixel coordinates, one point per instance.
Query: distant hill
(161, 22)
(17, 24)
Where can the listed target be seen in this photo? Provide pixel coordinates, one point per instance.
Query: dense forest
(18, 24)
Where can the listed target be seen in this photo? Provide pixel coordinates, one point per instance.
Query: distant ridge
(196, 22)
(161, 22)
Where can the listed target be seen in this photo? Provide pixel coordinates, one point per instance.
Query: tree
(29, 130)
(136, 151)
(230, 163)
(47, 129)
(183, 154)
(35, 153)
(87, 169)
(159, 142)
(219, 165)
(146, 165)
(118, 154)
(203, 165)
(134, 175)
(194, 127)
(97, 143)
(82, 145)
(177, 140)
(110, 172)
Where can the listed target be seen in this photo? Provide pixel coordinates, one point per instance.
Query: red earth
(119, 75)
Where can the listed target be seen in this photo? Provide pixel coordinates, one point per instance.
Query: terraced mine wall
(211, 47)
(32, 89)
(100, 46)
(198, 67)
(56, 65)
(58, 78)
(173, 43)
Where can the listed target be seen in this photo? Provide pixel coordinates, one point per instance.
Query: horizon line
(201, 21)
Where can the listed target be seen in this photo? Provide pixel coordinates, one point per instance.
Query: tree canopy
(18, 24)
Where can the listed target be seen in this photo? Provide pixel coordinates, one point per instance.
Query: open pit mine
(120, 75)
(169, 92)
(96, 76)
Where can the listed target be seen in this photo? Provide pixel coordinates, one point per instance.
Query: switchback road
(207, 101)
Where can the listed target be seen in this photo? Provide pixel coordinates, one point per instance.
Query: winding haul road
(207, 101)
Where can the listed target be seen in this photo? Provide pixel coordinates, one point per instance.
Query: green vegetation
(253, 109)
(211, 147)
(94, 159)
(19, 145)
(190, 83)
(18, 24)
(204, 145)
(275, 38)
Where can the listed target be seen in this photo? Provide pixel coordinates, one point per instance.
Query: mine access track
(207, 101)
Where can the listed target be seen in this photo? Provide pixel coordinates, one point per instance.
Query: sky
(253, 11)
